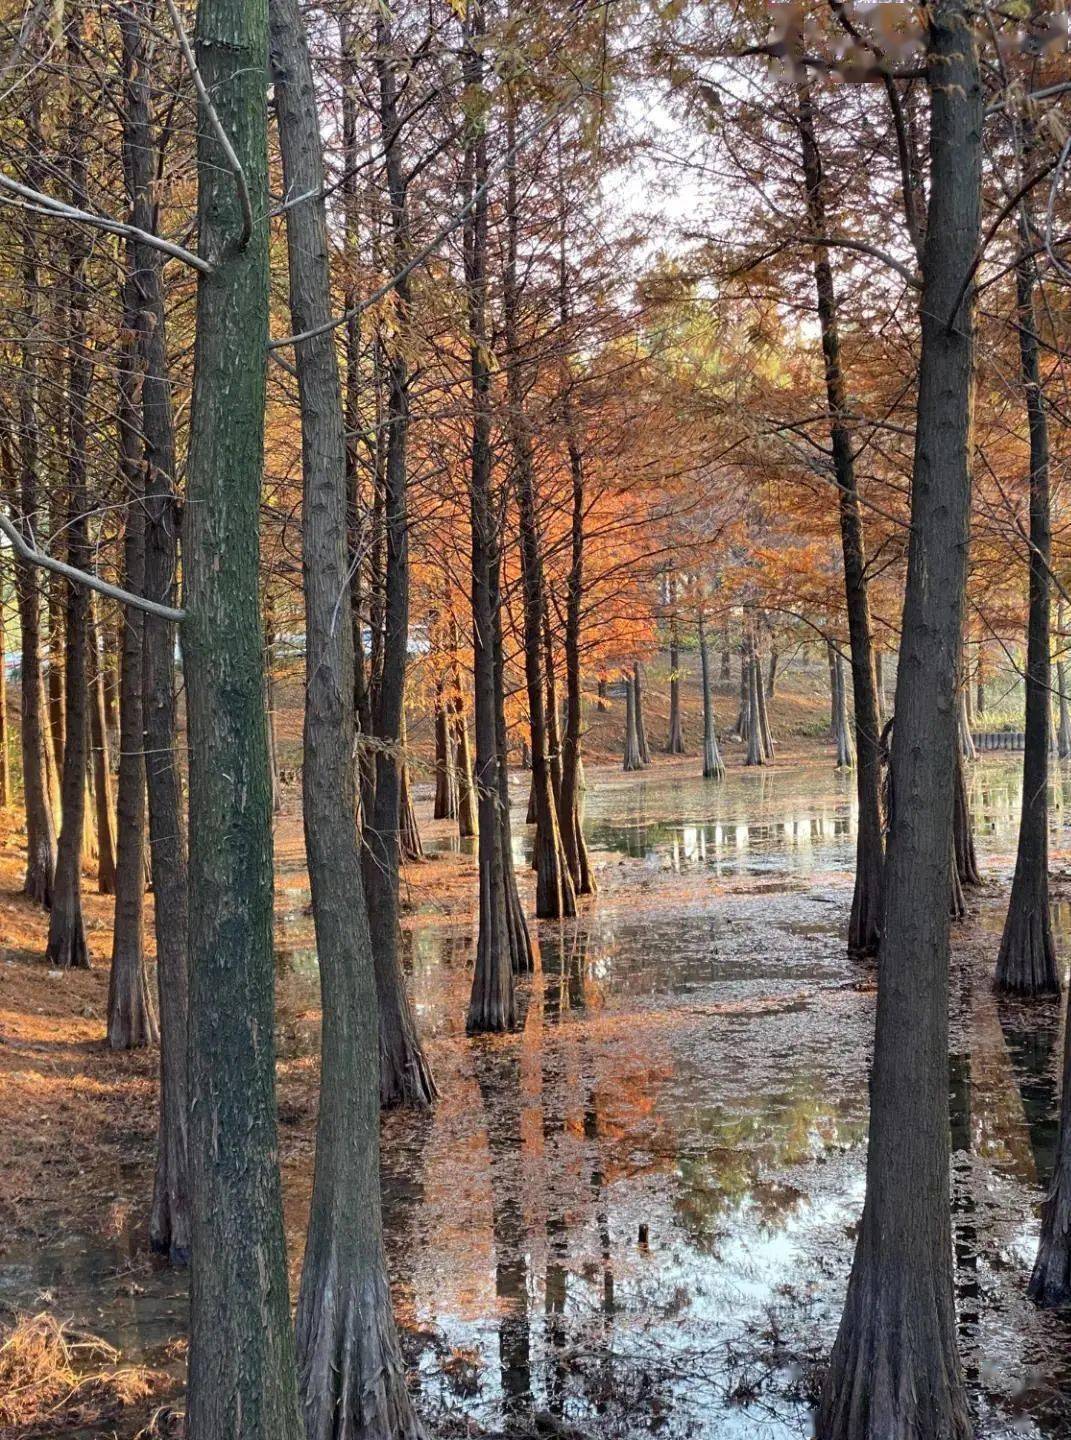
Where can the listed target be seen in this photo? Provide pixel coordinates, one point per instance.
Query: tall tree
(895, 1367)
(864, 925)
(352, 1376)
(169, 1223)
(242, 1376)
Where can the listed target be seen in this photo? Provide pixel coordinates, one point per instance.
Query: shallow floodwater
(636, 1215)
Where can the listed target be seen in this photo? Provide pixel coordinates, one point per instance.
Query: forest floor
(79, 1120)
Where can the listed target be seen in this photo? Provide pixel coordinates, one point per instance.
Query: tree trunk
(980, 694)
(1026, 961)
(726, 657)
(66, 931)
(864, 926)
(522, 955)
(966, 858)
(771, 682)
(742, 726)
(40, 828)
(242, 1375)
(845, 747)
(576, 849)
(895, 1369)
(169, 1221)
(554, 886)
(764, 718)
(445, 807)
(600, 695)
(107, 843)
(352, 1375)
(492, 1005)
(1063, 739)
(641, 725)
(1050, 1282)
(756, 749)
(405, 1075)
(879, 689)
(966, 739)
(57, 699)
(632, 759)
(713, 769)
(131, 1021)
(675, 739)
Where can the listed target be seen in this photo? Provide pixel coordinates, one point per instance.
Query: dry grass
(53, 1377)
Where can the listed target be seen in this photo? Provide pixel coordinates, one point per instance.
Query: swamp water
(636, 1215)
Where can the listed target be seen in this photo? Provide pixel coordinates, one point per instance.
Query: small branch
(52, 206)
(843, 243)
(217, 125)
(82, 577)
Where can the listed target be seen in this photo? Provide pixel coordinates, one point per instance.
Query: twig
(52, 206)
(82, 577)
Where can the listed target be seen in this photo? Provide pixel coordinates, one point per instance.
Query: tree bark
(895, 1369)
(675, 739)
(169, 1222)
(352, 1376)
(242, 1375)
(1026, 961)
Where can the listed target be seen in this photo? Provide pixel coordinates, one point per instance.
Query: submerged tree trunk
(1026, 961)
(895, 1369)
(641, 725)
(242, 1375)
(492, 1004)
(632, 760)
(349, 1361)
(408, 830)
(131, 1020)
(169, 1221)
(713, 769)
(1050, 1282)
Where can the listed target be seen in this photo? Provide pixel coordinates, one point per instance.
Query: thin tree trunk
(445, 806)
(242, 1375)
(467, 822)
(641, 725)
(632, 759)
(405, 1075)
(966, 858)
(169, 1221)
(600, 695)
(40, 828)
(492, 1005)
(895, 1367)
(771, 682)
(352, 1375)
(1026, 961)
(131, 1020)
(554, 885)
(864, 926)
(107, 843)
(756, 750)
(66, 930)
(675, 739)
(845, 747)
(713, 769)
(764, 718)
(412, 849)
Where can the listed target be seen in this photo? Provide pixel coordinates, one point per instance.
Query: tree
(895, 1367)
(1026, 961)
(242, 1378)
(352, 1376)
